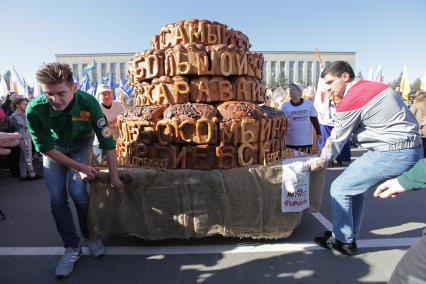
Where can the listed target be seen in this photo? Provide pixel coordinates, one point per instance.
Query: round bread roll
(271, 112)
(238, 110)
(151, 113)
(190, 111)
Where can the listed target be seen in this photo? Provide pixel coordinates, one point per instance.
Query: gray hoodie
(377, 117)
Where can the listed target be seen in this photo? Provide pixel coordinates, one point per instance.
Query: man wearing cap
(301, 116)
(62, 125)
(382, 124)
(111, 110)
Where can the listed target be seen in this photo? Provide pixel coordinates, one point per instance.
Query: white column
(98, 72)
(296, 71)
(267, 71)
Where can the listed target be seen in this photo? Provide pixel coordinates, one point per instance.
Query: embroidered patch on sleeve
(106, 132)
(101, 122)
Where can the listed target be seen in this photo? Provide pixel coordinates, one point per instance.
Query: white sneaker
(96, 248)
(66, 265)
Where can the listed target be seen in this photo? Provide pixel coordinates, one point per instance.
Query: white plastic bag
(295, 184)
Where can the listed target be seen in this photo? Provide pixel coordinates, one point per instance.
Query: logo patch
(101, 122)
(84, 116)
(106, 132)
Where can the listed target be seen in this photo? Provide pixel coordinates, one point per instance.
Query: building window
(291, 74)
(300, 72)
(318, 72)
(83, 66)
(103, 72)
(75, 69)
(113, 74)
(273, 71)
(123, 72)
(95, 73)
(282, 68)
(309, 77)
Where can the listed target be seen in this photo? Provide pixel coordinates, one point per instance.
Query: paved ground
(30, 247)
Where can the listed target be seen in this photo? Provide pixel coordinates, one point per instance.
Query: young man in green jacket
(62, 124)
(412, 267)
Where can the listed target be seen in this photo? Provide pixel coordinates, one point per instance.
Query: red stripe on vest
(360, 94)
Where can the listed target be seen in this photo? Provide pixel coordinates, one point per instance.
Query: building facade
(299, 66)
(112, 64)
(294, 66)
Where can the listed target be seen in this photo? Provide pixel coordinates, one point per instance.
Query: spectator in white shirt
(302, 118)
(111, 110)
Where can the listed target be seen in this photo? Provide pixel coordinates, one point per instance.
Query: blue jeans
(61, 180)
(368, 171)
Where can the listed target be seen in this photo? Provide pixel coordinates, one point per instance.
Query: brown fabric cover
(241, 202)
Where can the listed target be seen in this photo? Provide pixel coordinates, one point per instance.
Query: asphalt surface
(30, 247)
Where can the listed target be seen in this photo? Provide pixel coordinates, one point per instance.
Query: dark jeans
(13, 161)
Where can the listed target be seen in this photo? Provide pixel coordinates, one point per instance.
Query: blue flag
(76, 79)
(105, 78)
(93, 91)
(112, 86)
(85, 84)
(89, 67)
(126, 87)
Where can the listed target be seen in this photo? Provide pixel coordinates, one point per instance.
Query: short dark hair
(337, 68)
(17, 101)
(54, 73)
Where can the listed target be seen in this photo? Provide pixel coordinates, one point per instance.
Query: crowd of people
(67, 126)
(21, 158)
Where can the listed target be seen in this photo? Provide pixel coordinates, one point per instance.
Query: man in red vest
(381, 123)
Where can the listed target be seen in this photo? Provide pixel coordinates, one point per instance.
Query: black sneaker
(332, 244)
(328, 234)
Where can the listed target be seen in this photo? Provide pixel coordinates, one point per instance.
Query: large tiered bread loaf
(196, 93)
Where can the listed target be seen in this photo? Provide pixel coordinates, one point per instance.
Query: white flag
(16, 83)
(379, 74)
(370, 73)
(37, 89)
(3, 87)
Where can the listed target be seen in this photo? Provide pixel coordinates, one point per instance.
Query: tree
(282, 81)
(396, 83)
(416, 85)
(272, 85)
(360, 76)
